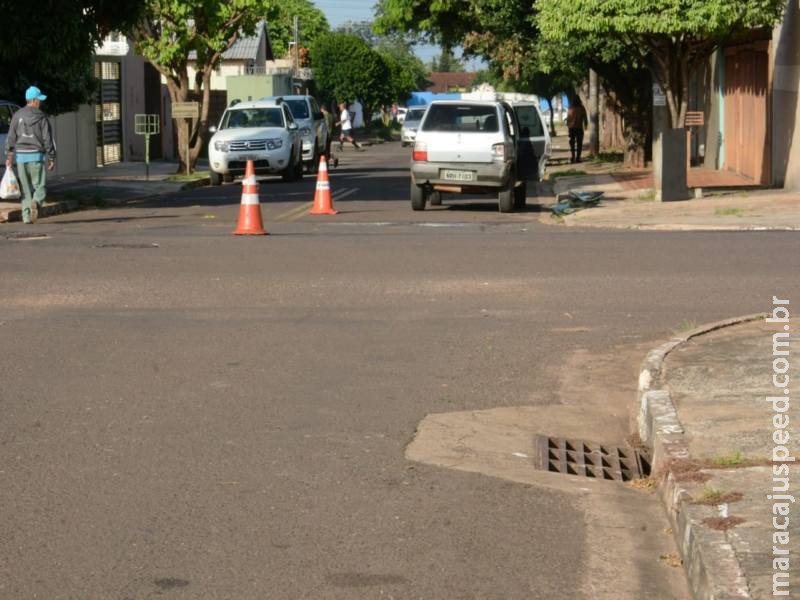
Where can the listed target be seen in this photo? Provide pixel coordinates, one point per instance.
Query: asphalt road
(188, 414)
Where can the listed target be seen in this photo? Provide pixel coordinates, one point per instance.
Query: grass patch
(608, 157)
(647, 196)
(730, 460)
(567, 173)
(684, 326)
(183, 177)
(712, 496)
(728, 212)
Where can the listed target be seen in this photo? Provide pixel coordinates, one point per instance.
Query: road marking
(300, 211)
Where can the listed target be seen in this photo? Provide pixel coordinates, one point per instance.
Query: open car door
(534, 140)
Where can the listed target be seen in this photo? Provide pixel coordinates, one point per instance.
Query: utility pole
(594, 114)
(296, 46)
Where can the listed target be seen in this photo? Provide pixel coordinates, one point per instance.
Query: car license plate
(248, 157)
(451, 175)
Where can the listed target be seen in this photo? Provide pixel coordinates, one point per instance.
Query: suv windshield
(529, 117)
(299, 108)
(461, 117)
(415, 114)
(252, 117)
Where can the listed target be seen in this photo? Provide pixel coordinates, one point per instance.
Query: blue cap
(34, 93)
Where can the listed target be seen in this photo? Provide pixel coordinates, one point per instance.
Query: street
(190, 414)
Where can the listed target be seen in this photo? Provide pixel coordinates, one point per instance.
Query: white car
(313, 129)
(408, 132)
(263, 131)
(401, 114)
(472, 147)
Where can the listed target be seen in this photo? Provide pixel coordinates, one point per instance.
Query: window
(299, 108)
(6, 112)
(461, 117)
(415, 114)
(287, 115)
(528, 117)
(252, 117)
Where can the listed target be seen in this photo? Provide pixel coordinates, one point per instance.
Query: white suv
(313, 129)
(263, 131)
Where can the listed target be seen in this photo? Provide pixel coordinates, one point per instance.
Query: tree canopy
(671, 37)
(280, 19)
(51, 44)
(173, 33)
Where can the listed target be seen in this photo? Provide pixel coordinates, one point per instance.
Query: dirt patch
(722, 523)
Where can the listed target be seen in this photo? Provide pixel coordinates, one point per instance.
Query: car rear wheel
(419, 197)
(520, 196)
(216, 178)
(505, 197)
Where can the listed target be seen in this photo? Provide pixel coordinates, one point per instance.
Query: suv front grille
(244, 146)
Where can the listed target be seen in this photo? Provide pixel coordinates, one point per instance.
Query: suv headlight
(305, 131)
(221, 146)
(274, 143)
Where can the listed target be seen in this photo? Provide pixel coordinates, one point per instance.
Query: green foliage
(346, 69)
(50, 44)
(280, 20)
(446, 63)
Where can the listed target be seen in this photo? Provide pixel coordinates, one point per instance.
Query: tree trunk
(178, 88)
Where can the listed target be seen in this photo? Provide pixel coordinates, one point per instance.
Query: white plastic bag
(9, 187)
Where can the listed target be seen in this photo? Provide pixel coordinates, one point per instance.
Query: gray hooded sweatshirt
(29, 132)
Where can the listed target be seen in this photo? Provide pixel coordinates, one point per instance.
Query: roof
(445, 81)
(246, 48)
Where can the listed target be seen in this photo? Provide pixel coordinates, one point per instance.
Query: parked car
(313, 129)
(263, 131)
(468, 147)
(401, 114)
(534, 132)
(7, 110)
(408, 132)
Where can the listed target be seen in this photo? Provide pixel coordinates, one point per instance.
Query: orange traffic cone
(250, 210)
(323, 204)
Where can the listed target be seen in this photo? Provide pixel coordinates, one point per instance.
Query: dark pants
(576, 143)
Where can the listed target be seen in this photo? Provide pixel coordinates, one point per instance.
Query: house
(443, 82)
(748, 95)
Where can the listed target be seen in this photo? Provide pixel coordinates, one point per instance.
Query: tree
(406, 71)
(347, 69)
(672, 38)
(446, 63)
(166, 34)
(51, 44)
(280, 20)
(362, 29)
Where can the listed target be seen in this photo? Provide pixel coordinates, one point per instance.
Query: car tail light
(499, 151)
(420, 152)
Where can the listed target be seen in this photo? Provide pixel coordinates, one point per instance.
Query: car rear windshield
(415, 114)
(253, 117)
(528, 117)
(461, 117)
(299, 108)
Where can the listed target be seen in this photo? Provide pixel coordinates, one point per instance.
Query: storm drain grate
(587, 459)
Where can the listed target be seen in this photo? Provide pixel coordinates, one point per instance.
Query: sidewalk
(705, 415)
(626, 208)
(112, 184)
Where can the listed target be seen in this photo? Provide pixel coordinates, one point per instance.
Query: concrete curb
(710, 562)
(67, 206)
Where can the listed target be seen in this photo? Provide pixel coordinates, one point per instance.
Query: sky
(341, 11)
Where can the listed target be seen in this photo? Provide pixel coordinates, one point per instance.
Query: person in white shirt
(346, 124)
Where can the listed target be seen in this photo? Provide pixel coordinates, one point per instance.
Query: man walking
(31, 141)
(330, 122)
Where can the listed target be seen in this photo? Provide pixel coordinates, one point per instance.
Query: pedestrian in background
(346, 123)
(30, 141)
(330, 122)
(576, 123)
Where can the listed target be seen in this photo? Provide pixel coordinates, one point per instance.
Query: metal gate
(747, 139)
(108, 112)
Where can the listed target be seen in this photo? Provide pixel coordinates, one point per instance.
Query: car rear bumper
(485, 175)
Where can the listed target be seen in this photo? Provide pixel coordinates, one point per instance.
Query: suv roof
(263, 103)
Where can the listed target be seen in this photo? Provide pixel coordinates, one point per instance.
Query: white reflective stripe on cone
(323, 185)
(249, 198)
(323, 166)
(249, 180)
